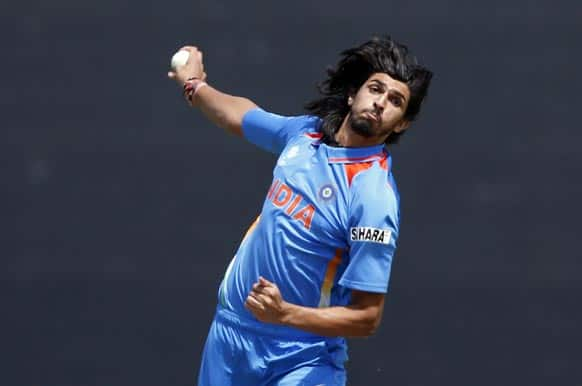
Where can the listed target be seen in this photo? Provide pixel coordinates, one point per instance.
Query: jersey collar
(350, 155)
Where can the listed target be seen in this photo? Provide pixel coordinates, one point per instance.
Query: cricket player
(314, 267)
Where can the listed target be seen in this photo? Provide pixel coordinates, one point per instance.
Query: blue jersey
(328, 225)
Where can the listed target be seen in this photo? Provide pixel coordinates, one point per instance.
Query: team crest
(326, 192)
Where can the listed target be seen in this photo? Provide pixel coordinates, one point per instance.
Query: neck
(347, 137)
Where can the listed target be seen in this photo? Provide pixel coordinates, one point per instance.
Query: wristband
(191, 87)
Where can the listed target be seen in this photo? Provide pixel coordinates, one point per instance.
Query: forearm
(225, 111)
(331, 321)
(360, 318)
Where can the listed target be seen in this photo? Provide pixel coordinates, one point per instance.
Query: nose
(380, 103)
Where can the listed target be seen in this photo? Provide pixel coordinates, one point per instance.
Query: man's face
(378, 108)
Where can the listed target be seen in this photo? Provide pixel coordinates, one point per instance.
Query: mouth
(372, 116)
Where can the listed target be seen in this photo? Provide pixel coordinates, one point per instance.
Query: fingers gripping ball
(179, 59)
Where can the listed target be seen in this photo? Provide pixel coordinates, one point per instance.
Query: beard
(361, 126)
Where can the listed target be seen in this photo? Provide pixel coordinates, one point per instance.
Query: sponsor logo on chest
(374, 235)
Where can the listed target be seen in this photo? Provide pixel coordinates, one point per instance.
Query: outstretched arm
(225, 111)
(360, 318)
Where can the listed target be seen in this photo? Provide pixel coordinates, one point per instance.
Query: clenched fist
(266, 303)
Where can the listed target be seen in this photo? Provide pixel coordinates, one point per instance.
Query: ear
(350, 100)
(400, 127)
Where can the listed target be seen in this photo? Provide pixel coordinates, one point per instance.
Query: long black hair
(380, 54)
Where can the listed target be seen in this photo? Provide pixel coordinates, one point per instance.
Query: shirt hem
(360, 286)
(232, 318)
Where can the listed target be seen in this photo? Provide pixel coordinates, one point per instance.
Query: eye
(396, 101)
(375, 89)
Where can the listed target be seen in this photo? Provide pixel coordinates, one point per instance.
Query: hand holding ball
(187, 64)
(179, 59)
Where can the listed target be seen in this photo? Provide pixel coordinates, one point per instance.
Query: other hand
(265, 302)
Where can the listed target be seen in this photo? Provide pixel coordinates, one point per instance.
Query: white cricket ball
(179, 59)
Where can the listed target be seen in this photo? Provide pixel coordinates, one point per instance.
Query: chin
(362, 127)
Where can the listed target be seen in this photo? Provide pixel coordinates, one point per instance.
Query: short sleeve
(272, 132)
(372, 234)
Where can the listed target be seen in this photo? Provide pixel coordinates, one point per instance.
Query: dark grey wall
(121, 207)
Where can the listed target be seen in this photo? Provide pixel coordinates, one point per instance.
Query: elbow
(364, 330)
(233, 118)
(372, 327)
(368, 307)
(373, 320)
(369, 326)
(233, 127)
(229, 122)
(232, 121)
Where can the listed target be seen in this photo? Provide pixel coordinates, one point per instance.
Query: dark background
(121, 207)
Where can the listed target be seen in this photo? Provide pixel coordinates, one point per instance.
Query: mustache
(374, 112)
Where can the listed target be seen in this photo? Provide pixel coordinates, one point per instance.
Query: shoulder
(272, 132)
(305, 124)
(373, 188)
(296, 121)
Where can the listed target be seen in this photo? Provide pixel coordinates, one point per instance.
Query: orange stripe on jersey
(327, 285)
(251, 228)
(353, 169)
(384, 163)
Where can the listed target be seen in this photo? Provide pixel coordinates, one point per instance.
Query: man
(314, 266)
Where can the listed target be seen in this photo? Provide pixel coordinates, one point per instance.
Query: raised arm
(224, 110)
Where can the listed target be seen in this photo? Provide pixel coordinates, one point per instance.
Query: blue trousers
(236, 355)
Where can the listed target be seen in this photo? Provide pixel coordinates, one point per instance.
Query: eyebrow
(393, 90)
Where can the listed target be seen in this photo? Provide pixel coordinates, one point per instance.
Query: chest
(308, 195)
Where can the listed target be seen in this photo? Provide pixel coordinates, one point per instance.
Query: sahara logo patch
(374, 235)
